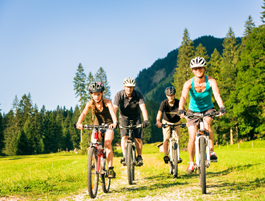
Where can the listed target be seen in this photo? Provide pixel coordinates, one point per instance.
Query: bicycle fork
(197, 148)
(171, 141)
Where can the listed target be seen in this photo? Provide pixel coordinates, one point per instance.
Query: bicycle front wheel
(130, 166)
(202, 171)
(105, 181)
(92, 175)
(175, 159)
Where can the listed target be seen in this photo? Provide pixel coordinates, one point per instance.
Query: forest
(237, 64)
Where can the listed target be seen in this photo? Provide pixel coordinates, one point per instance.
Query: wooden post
(231, 136)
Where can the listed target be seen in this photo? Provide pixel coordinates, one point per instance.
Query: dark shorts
(138, 132)
(194, 121)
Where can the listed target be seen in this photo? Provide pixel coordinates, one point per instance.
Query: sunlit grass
(238, 174)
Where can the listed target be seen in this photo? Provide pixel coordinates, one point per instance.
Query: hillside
(153, 80)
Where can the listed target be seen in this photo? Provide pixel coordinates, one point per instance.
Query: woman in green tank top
(201, 88)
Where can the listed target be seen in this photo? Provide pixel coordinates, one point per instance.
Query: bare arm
(216, 92)
(144, 112)
(112, 113)
(158, 119)
(184, 94)
(83, 115)
(115, 108)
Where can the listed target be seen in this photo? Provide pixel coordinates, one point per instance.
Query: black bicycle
(173, 149)
(202, 147)
(97, 164)
(130, 157)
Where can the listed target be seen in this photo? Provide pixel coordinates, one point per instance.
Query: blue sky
(42, 42)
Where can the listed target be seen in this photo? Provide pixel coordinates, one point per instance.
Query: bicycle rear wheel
(130, 166)
(92, 175)
(175, 159)
(105, 181)
(202, 171)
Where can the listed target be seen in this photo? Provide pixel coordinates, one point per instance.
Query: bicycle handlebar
(87, 127)
(131, 126)
(173, 125)
(212, 114)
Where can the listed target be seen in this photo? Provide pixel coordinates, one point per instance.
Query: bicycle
(173, 149)
(130, 156)
(97, 161)
(202, 148)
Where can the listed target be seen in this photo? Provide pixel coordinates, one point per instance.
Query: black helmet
(96, 87)
(170, 91)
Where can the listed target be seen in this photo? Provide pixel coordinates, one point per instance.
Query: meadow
(239, 174)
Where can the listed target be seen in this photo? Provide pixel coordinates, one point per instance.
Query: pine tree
(80, 86)
(185, 53)
(183, 72)
(249, 26)
(250, 87)
(228, 77)
(90, 79)
(201, 52)
(101, 76)
(263, 13)
(213, 67)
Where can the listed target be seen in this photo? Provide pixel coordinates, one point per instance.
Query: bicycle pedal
(215, 161)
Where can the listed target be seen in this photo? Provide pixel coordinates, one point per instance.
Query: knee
(107, 144)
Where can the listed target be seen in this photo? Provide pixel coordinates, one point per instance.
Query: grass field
(238, 175)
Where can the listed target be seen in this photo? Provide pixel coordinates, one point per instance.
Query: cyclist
(170, 107)
(103, 112)
(131, 103)
(201, 87)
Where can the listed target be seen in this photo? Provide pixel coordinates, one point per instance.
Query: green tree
(80, 86)
(90, 79)
(101, 76)
(1, 133)
(263, 13)
(228, 77)
(250, 87)
(213, 67)
(185, 54)
(201, 52)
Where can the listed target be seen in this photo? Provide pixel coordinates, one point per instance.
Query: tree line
(239, 70)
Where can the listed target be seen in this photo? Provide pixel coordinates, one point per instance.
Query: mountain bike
(97, 164)
(130, 156)
(202, 148)
(173, 149)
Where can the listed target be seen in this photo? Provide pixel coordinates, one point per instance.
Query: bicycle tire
(92, 175)
(130, 167)
(105, 181)
(202, 171)
(133, 160)
(175, 159)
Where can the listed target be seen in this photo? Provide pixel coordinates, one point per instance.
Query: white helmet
(198, 62)
(129, 82)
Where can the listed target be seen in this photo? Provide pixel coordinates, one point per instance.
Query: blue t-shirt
(200, 102)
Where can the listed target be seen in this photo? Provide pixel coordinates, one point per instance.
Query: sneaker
(166, 159)
(123, 161)
(213, 155)
(190, 168)
(180, 160)
(111, 173)
(139, 160)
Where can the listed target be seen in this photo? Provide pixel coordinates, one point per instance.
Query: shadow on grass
(231, 169)
(159, 182)
(239, 186)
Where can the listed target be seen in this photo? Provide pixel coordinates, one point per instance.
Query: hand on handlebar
(158, 124)
(145, 123)
(181, 113)
(222, 111)
(79, 126)
(113, 126)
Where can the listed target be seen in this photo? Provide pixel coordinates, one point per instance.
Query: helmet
(198, 62)
(96, 87)
(129, 82)
(170, 91)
